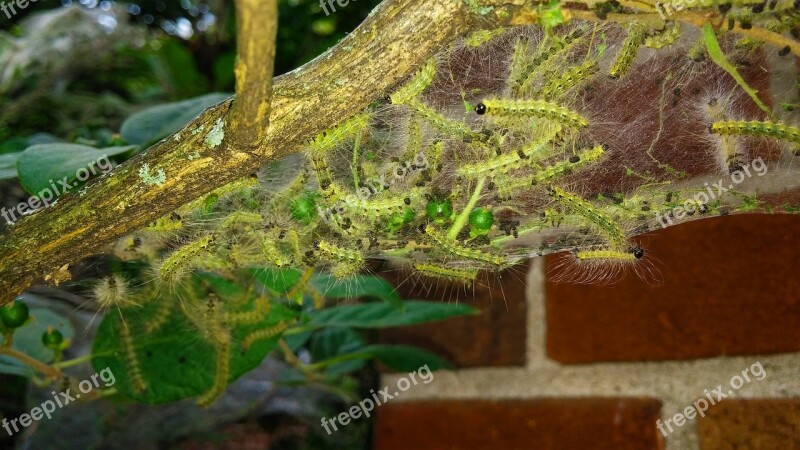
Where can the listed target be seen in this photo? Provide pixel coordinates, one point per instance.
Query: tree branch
(256, 28)
(232, 141)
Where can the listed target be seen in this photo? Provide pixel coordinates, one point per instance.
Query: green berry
(439, 210)
(14, 314)
(303, 209)
(397, 220)
(52, 339)
(481, 219)
(409, 215)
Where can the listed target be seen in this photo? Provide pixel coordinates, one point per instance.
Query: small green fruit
(481, 220)
(14, 314)
(52, 339)
(439, 210)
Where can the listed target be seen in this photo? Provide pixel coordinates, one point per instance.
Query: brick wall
(631, 365)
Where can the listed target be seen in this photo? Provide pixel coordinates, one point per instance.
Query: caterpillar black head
(637, 252)
(480, 109)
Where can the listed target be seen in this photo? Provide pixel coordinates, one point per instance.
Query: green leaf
(357, 287)
(551, 15)
(384, 315)
(28, 340)
(719, 59)
(178, 360)
(43, 165)
(155, 123)
(405, 358)
(332, 342)
(279, 280)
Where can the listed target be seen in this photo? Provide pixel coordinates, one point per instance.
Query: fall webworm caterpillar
(171, 268)
(222, 350)
(416, 85)
(527, 155)
(465, 252)
(578, 205)
(327, 140)
(558, 45)
(757, 128)
(131, 360)
(480, 37)
(112, 292)
(333, 252)
(535, 108)
(441, 122)
(630, 46)
(506, 188)
(453, 274)
(263, 334)
(666, 37)
(556, 87)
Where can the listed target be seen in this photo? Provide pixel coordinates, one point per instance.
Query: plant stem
(462, 218)
(44, 369)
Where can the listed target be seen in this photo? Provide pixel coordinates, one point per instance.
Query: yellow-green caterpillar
(757, 128)
(531, 108)
(635, 38)
(578, 205)
(416, 85)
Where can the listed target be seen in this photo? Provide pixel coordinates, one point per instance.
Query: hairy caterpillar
(603, 266)
(171, 268)
(263, 334)
(527, 155)
(569, 79)
(300, 287)
(635, 38)
(222, 348)
(465, 252)
(480, 37)
(756, 128)
(507, 187)
(160, 317)
(327, 140)
(441, 122)
(666, 37)
(262, 307)
(576, 204)
(222, 191)
(241, 218)
(730, 156)
(131, 360)
(166, 224)
(416, 85)
(556, 47)
(453, 274)
(536, 108)
(112, 292)
(611, 255)
(333, 252)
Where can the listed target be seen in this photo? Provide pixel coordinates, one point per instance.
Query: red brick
(494, 338)
(585, 423)
(730, 287)
(764, 424)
